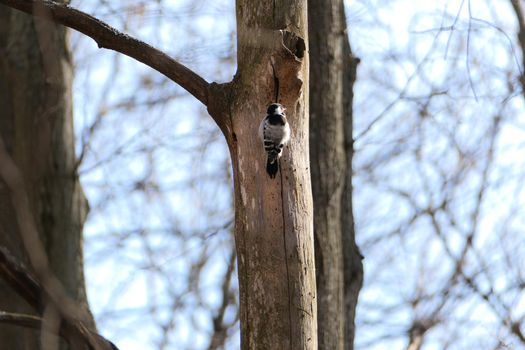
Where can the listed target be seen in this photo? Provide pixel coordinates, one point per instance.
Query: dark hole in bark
(294, 43)
(300, 48)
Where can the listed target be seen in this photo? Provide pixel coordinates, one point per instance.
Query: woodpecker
(274, 132)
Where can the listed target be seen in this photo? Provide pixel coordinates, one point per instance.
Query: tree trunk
(274, 228)
(37, 127)
(353, 264)
(328, 164)
(338, 262)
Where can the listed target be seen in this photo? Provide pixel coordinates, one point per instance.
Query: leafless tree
(339, 269)
(42, 205)
(438, 178)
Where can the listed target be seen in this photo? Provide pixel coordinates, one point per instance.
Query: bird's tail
(272, 164)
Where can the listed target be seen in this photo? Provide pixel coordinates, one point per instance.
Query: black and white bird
(274, 132)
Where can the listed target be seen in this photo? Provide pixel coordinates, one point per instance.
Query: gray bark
(37, 127)
(328, 163)
(338, 261)
(353, 264)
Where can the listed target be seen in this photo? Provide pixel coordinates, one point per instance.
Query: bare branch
(35, 322)
(23, 320)
(17, 277)
(109, 38)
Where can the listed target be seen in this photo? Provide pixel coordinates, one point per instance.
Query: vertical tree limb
(353, 265)
(328, 164)
(274, 236)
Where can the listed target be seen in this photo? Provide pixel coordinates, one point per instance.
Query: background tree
(440, 149)
(36, 129)
(338, 262)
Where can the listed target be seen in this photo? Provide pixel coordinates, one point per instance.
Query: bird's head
(275, 108)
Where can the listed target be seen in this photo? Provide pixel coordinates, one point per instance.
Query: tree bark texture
(37, 127)
(338, 262)
(328, 164)
(353, 260)
(274, 228)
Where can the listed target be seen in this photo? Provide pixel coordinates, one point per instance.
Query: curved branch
(109, 38)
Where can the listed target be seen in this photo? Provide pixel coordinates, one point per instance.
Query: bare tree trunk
(353, 264)
(328, 164)
(274, 238)
(338, 262)
(37, 127)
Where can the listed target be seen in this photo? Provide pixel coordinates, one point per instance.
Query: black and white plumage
(274, 132)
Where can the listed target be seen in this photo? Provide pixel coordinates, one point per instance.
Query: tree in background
(439, 176)
(339, 269)
(40, 191)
